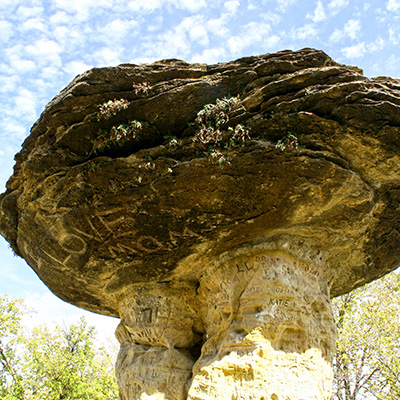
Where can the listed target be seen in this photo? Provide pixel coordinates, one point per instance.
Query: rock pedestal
(263, 324)
(215, 209)
(157, 331)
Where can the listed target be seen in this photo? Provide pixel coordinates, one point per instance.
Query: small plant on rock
(141, 87)
(211, 138)
(215, 115)
(171, 140)
(118, 135)
(111, 107)
(289, 141)
(239, 135)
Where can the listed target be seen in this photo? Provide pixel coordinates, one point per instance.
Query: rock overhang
(312, 171)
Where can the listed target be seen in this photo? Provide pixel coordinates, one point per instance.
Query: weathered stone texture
(223, 228)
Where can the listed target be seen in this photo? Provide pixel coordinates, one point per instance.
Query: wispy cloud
(34, 24)
(77, 67)
(26, 12)
(117, 30)
(25, 103)
(251, 34)
(190, 5)
(394, 34)
(45, 51)
(210, 55)
(152, 5)
(231, 6)
(376, 45)
(14, 128)
(81, 9)
(6, 31)
(319, 13)
(283, 5)
(351, 30)
(336, 5)
(356, 51)
(17, 61)
(306, 31)
(106, 56)
(393, 5)
(393, 64)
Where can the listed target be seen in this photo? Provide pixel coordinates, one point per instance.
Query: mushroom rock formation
(215, 209)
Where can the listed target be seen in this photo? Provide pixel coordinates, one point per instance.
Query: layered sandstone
(215, 209)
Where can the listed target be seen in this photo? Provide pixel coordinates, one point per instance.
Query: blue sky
(45, 44)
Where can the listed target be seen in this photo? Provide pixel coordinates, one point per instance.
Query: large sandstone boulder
(215, 209)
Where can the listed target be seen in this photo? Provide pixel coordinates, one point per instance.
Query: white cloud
(252, 33)
(198, 33)
(190, 5)
(284, 4)
(6, 30)
(307, 31)
(336, 5)
(271, 17)
(231, 6)
(60, 17)
(183, 38)
(80, 8)
(75, 68)
(393, 5)
(196, 28)
(337, 35)
(270, 43)
(8, 83)
(394, 35)
(45, 51)
(24, 13)
(107, 56)
(174, 43)
(156, 24)
(376, 45)
(210, 56)
(152, 5)
(25, 105)
(72, 37)
(34, 24)
(145, 5)
(319, 13)
(14, 127)
(251, 5)
(218, 27)
(393, 65)
(16, 62)
(117, 30)
(351, 30)
(6, 4)
(355, 51)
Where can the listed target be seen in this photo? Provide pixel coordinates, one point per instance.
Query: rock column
(266, 328)
(270, 333)
(157, 331)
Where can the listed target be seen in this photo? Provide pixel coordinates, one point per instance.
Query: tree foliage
(62, 363)
(11, 312)
(367, 362)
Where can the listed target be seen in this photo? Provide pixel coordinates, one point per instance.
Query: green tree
(367, 363)
(11, 312)
(65, 363)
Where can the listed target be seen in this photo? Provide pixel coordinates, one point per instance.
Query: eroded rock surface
(215, 209)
